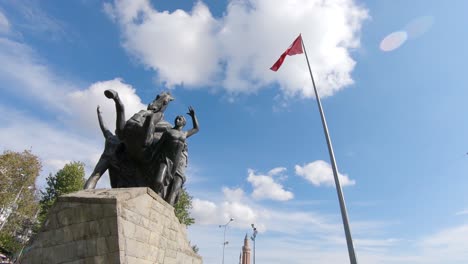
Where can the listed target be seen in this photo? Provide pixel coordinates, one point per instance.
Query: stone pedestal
(131, 225)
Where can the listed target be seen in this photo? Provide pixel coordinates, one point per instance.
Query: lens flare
(418, 26)
(393, 41)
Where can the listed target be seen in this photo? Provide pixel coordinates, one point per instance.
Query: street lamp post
(254, 235)
(224, 236)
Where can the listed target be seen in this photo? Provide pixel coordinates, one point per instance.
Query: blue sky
(395, 105)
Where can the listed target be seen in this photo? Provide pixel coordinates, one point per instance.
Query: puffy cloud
(256, 32)
(233, 195)
(320, 173)
(265, 186)
(243, 214)
(181, 46)
(84, 103)
(235, 51)
(234, 205)
(276, 171)
(204, 211)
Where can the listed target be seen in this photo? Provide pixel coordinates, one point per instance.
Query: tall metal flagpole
(344, 214)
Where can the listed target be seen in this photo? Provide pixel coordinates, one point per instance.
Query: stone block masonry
(128, 225)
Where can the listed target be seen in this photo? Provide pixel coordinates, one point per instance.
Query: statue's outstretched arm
(120, 110)
(103, 127)
(195, 128)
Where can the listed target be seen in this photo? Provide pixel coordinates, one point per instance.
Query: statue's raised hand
(191, 111)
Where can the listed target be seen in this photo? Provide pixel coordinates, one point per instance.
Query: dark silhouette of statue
(136, 133)
(108, 155)
(145, 150)
(173, 157)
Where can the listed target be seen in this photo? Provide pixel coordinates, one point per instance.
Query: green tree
(182, 208)
(195, 248)
(70, 178)
(18, 204)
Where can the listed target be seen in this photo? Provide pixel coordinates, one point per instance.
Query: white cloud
(181, 46)
(265, 186)
(243, 214)
(233, 195)
(276, 171)
(4, 23)
(84, 103)
(204, 211)
(207, 212)
(235, 204)
(320, 173)
(235, 51)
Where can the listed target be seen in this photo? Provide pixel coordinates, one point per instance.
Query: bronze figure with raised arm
(173, 159)
(146, 150)
(106, 159)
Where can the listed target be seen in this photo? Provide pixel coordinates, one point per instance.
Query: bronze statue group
(146, 151)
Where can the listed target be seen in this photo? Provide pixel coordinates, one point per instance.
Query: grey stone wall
(130, 225)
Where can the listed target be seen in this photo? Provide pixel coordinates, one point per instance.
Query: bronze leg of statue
(99, 170)
(174, 190)
(119, 108)
(159, 181)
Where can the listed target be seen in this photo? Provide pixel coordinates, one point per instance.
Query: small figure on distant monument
(108, 157)
(173, 157)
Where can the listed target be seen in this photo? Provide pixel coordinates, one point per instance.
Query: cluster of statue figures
(146, 151)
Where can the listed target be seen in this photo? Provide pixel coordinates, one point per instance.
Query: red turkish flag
(295, 48)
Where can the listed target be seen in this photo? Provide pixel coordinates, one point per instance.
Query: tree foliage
(182, 208)
(18, 204)
(195, 248)
(69, 179)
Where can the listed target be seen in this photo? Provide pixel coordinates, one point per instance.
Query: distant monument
(146, 150)
(244, 258)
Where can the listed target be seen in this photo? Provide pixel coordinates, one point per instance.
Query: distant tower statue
(246, 251)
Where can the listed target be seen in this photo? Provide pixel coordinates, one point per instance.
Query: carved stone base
(129, 225)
